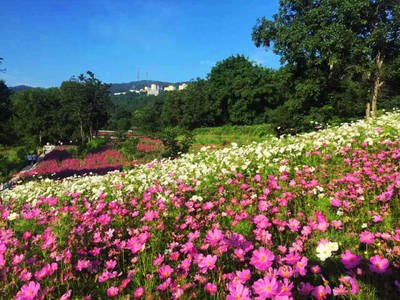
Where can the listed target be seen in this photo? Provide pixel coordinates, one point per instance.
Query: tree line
(341, 61)
(74, 111)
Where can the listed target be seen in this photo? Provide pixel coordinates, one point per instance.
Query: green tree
(242, 90)
(36, 116)
(333, 45)
(86, 99)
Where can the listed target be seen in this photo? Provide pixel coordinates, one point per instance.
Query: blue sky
(46, 42)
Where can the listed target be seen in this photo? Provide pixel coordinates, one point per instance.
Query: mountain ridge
(114, 87)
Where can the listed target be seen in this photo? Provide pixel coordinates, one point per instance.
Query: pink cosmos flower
(139, 292)
(378, 264)
(262, 259)
(340, 290)
(207, 263)
(305, 288)
(266, 287)
(18, 258)
(315, 269)
(238, 291)
(367, 237)
(28, 291)
(243, 275)
(350, 260)
(294, 225)
(25, 275)
(110, 264)
(82, 264)
(214, 236)
(352, 283)
(210, 288)
(158, 260)
(285, 271)
(320, 292)
(165, 271)
(301, 265)
(112, 291)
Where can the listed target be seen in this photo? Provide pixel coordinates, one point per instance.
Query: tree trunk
(368, 110)
(378, 82)
(82, 133)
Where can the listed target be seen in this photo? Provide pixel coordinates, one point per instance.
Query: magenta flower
(305, 288)
(18, 258)
(165, 271)
(262, 259)
(112, 291)
(378, 264)
(139, 292)
(207, 263)
(352, 283)
(301, 266)
(238, 291)
(266, 287)
(210, 288)
(82, 264)
(340, 290)
(28, 291)
(320, 292)
(243, 275)
(367, 237)
(350, 260)
(214, 236)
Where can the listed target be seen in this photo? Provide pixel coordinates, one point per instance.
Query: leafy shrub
(176, 141)
(90, 146)
(129, 148)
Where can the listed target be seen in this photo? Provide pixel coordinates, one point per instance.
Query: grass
(225, 135)
(12, 159)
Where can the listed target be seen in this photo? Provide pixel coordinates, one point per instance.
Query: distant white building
(182, 86)
(169, 88)
(154, 89)
(120, 93)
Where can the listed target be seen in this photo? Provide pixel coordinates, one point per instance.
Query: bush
(129, 148)
(176, 141)
(89, 147)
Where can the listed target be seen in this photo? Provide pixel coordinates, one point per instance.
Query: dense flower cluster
(312, 216)
(59, 166)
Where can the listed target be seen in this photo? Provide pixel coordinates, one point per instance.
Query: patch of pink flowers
(249, 236)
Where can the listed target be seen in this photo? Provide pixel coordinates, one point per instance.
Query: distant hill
(19, 88)
(137, 85)
(115, 87)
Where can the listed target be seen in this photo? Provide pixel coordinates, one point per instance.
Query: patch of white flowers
(324, 250)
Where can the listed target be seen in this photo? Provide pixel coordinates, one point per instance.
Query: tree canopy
(336, 51)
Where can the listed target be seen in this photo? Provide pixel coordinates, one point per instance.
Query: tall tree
(328, 44)
(87, 101)
(35, 116)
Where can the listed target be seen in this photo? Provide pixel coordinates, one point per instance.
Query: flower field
(58, 163)
(299, 217)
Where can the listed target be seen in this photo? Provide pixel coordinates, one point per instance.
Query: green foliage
(12, 159)
(227, 134)
(74, 111)
(6, 132)
(86, 103)
(331, 49)
(89, 147)
(129, 148)
(176, 141)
